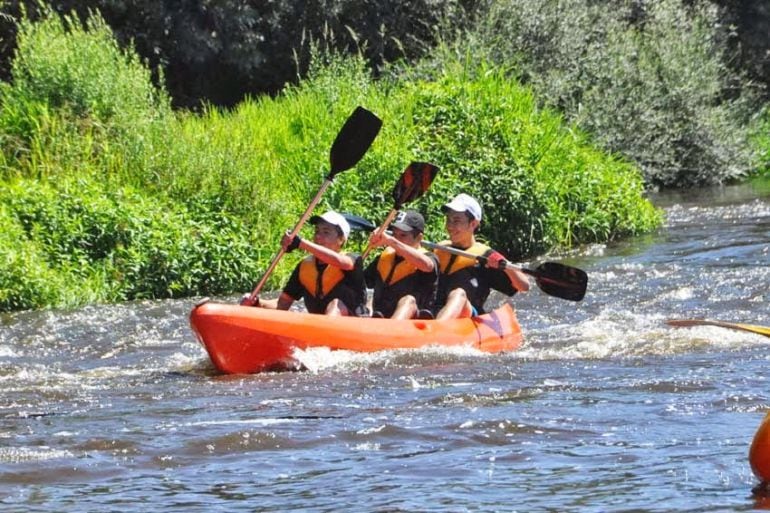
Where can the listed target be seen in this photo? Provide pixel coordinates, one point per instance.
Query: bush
(25, 279)
(79, 67)
(761, 140)
(542, 185)
(76, 242)
(647, 80)
(220, 52)
(187, 204)
(70, 82)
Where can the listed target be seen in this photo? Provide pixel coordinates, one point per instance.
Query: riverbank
(107, 195)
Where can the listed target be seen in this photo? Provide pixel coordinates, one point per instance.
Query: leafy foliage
(93, 208)
(84, 243)
(648, 80)
(541, 184)
(84, 72)
(220, 52)
(761, 139)
(25, 281)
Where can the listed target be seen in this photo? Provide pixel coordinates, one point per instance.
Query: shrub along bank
(108, 195)
(649, 80)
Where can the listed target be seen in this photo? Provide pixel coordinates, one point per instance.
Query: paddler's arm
(322, 253)
(412, 255)
(328, 256)
(518, 279)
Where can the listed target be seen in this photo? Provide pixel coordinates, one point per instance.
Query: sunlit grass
(100, 207)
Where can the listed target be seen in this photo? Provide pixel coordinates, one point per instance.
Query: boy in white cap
(464, 283)
(328, 280)
(404, 275)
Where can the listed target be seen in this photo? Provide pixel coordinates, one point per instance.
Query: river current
(605, 408)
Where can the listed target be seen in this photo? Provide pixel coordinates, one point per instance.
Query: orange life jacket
(391, 271)
(319, 284)
(450, 263)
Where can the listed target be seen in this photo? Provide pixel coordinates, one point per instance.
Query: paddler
(404, 275)
(329, 280)
(464, 283)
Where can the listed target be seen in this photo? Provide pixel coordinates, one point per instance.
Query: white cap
(464, 203)
(334, 218)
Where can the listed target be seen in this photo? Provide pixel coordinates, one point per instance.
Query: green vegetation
(650, 81)
(761, 140)
(107, 195)
(541, 182)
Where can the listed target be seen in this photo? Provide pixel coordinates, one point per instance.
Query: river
(606, 408)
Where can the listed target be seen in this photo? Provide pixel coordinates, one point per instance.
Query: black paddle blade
(561, 280)
(414, 181)
(355, 137)
(358, 223)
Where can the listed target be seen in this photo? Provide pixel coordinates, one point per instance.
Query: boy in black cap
(404, 276)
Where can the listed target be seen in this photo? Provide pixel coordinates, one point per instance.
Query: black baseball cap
(408, 221)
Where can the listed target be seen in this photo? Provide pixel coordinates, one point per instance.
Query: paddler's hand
(496, 261)
(377, 239)
(289, 243)
(380, 239)
(246, 300)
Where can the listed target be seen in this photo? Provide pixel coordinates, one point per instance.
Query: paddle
(352, 141)
(554, 279)
(412, 184)
(358, 223)
(751, 328)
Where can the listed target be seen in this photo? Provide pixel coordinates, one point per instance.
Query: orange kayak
(244, 339)
(759, 454)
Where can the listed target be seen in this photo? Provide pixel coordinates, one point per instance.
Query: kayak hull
(759, 452)
(242, 339)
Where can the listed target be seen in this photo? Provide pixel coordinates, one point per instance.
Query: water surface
(117, 408)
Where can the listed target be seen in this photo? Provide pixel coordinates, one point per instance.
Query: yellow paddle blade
(686, 323)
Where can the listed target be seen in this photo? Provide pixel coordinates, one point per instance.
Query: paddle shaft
(460, 252)
(325, 185)
(352, 141)
(687, 323)
(380, 229)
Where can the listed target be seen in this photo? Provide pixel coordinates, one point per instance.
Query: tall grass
(94, 208)
(761, 139)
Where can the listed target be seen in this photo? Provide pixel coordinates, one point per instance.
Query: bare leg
(406, 308)
(337, 308)
(457, 306)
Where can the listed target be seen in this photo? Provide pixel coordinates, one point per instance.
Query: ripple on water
(604, 408)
